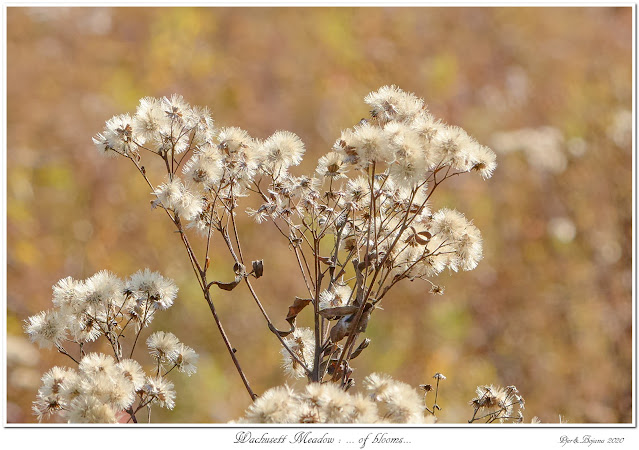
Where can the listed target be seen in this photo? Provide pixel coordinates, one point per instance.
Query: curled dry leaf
(337, 312)
(325, 260)
(360, 348)
(227, 286)
(298, 305)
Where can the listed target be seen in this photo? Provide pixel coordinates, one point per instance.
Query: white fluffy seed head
(185, 359)
(276, 405)
(150, 119)
(98, 363)
(119, 136)
(88, 409)
(484, 161)
(163, 346)
(206, 166)
(153, 287)
(102, 290)
(161, 390)
(392, 103)
(280, 151)
(178, 197)
(302, 343)
(332, 166)
(67, 293)
(132, 371)
(47, 328)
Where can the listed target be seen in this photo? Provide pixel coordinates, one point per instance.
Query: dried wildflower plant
(108, 388)
(356, 227)
(494, 403)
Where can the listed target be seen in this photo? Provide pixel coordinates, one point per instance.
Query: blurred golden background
(549, 309)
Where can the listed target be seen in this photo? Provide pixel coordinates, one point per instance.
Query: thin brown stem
(273, 329)
(130, 412)
(237, 239)
(137, 335)
(201, 277)
(316, 317)
(62, 350)
(227, 343)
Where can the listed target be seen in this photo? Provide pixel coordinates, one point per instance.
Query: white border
(444, 435)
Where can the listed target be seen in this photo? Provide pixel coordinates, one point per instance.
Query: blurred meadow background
(549, 308)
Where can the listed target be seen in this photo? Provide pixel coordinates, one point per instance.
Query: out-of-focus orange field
(549, 308)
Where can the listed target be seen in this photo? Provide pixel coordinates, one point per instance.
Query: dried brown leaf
(338, 311)
(360, 348)
(298, 305)
(227, 286)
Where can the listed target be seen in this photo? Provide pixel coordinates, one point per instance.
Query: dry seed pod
(258, 268)
(239, 269)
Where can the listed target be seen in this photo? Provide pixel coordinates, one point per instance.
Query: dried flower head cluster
(302, 345)
(386, 401)
(101, 390)
(99, 306)
(495, 403)
(355, 227)
(107, 388)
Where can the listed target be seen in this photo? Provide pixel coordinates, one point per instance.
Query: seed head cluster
(100, 390)
(394, 402)
(105, 388)
(495, 403)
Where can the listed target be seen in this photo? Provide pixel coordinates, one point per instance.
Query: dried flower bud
(258, 268)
